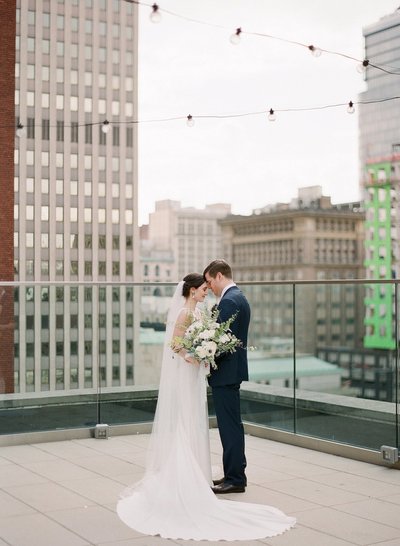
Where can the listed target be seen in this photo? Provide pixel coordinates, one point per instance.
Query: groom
(225, 380)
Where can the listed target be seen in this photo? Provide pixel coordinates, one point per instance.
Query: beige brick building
(307, 239)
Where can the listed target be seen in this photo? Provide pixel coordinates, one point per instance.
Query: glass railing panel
(50, 359)
(267, 399)
(130, 349)
(345, 363)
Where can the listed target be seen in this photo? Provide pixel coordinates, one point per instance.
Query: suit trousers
(227, 410)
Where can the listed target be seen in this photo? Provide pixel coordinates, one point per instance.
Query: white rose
(224, 338)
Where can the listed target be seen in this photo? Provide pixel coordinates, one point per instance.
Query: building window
(74, 131)
(115, 136)
(129, 137)
(30, 128)
(88, 268)
(45, 129)
(88, 134)
(60, 131)
(102, 136)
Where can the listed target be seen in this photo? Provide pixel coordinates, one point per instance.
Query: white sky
(187, 68)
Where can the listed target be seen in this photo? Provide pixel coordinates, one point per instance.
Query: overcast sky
(189, 68)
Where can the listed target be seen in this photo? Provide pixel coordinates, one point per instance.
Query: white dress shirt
(225, 289)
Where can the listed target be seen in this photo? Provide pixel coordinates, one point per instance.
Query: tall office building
(379, 149)
(75, 216)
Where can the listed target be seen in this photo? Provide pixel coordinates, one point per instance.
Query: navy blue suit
(225, 383)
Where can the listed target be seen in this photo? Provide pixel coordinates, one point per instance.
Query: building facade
(379, 150)
(192, 236)
(75, 182)
(379, 133)
(305, 240)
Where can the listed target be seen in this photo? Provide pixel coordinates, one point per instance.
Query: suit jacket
(232, 367)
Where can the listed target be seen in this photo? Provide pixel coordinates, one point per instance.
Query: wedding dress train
(174, 499)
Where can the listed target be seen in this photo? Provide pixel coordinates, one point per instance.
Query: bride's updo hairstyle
(193, 280)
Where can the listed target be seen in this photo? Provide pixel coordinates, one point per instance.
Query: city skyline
(249, 161)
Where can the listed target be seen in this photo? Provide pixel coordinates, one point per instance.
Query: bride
(174, 499)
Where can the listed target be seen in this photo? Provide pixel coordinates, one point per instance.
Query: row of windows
(73, 50)
(157, 270)
(74, 134)
(335, 225)
(89, 4)
(74, 294)
(74, 322)
(73, 348)
(60, 187)
(268, 227)
(88, 163)
(75, 23)
(44, 377)
(73, 215)
(74, 268)
(74, 106)
(87, 240)
(33, 72)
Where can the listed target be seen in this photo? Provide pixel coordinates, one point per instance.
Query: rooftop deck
(64, 494)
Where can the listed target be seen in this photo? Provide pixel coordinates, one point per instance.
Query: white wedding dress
(174, 499)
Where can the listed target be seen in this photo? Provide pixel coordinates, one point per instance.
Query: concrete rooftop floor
(65, 493)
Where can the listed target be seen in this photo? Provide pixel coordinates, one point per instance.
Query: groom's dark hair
(218, 266)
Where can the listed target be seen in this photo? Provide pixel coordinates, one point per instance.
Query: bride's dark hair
(192, 280)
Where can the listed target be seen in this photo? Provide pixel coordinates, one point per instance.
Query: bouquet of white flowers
(206, 338)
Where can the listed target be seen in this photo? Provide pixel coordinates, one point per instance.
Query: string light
(271, 115)
(362, 67)
(20, 130)
(235, 37)
(155, 15)
(106, 126)
(189, 121)
(316, 51)
(350, 108)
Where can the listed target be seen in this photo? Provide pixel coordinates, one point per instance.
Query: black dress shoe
(228, 488)
(218, 482)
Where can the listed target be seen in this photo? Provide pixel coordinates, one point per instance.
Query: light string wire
(219, 116)
(395, 71)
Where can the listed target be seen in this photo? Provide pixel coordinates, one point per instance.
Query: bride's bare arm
(184, 320)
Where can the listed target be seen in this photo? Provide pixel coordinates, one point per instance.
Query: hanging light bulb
(271, 115)
(350, 108)
(362, 67)
(235, 37)
(155, 15)
(20, 130)
(315, 51)
(106, 126)
(189, 121)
